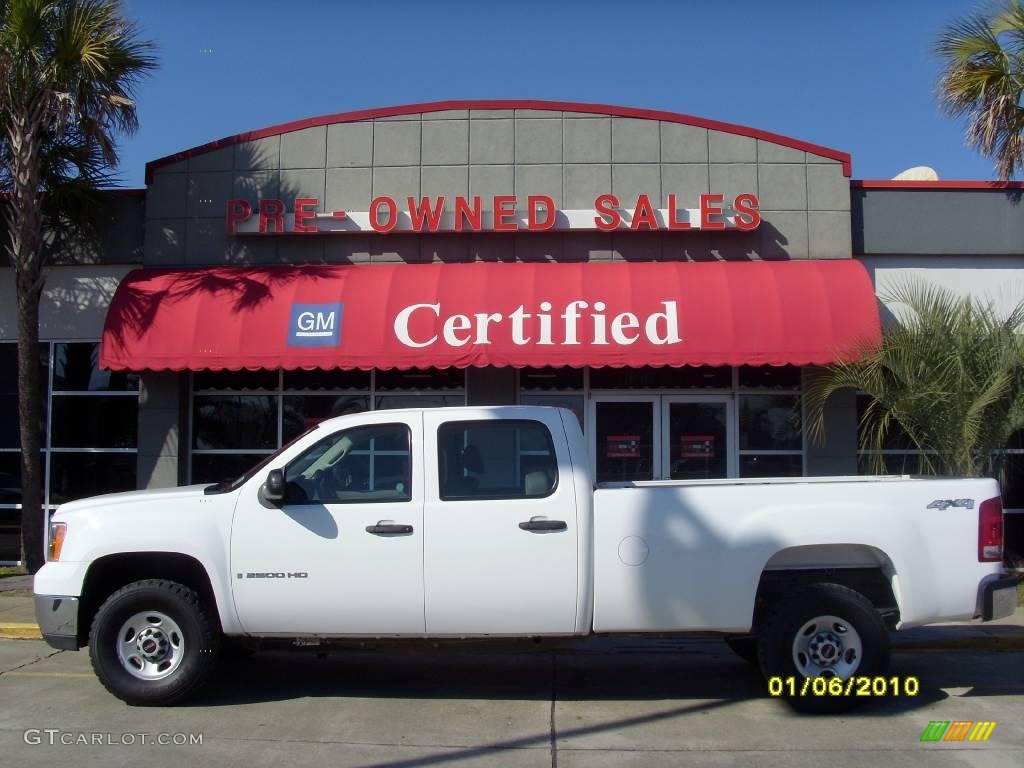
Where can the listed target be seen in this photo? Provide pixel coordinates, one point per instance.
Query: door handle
(384, 529)
(543, 525)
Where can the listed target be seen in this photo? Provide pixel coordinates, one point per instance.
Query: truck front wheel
(153, 642)
(823, 631)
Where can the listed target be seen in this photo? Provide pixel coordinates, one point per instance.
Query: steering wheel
(321, 485)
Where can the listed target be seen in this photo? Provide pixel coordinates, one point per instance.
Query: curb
(15, 631)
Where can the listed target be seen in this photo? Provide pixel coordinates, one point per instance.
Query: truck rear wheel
(153, 642)
(823, 631)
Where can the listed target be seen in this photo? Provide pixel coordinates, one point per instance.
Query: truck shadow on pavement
(702, 672)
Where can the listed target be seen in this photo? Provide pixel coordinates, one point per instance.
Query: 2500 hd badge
(275, 575)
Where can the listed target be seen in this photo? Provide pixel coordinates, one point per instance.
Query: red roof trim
(564, 106)
(899, 184)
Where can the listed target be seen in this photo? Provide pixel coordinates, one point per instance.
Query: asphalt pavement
(597, 702)
(600, 702)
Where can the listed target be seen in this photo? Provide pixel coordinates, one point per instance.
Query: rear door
(500, 554)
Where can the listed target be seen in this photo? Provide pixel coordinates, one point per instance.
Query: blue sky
(855, 75)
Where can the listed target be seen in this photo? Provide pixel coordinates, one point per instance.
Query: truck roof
(511, 410)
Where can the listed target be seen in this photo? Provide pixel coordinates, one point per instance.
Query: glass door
(627, 437)
(696, 439)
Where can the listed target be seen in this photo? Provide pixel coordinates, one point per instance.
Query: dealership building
(674, 281)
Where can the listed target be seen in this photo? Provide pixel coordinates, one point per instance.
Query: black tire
(744, 646)
(779, 634)
(199, 629)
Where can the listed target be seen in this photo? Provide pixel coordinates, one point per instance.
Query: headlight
(57, 532)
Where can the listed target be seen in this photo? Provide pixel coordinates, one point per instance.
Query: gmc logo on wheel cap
(315, 325)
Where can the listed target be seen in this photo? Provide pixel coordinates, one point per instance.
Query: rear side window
(495, 460)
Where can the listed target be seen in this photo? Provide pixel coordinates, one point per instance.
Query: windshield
(228, 485)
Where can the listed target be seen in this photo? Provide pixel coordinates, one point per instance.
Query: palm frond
(947, 381)
(982, 79)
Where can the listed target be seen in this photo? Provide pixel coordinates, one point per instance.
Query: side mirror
(273, 489)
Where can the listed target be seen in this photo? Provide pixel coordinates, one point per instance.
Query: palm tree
(983, 78)
(69, 70)
(948, 377)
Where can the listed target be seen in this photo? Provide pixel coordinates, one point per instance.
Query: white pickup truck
(477, 523)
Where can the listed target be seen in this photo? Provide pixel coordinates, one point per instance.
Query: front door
(627, 438)
(343, 554)
(500, 555)
(662, 437)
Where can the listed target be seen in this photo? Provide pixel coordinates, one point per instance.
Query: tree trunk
(24, 247)
(33, 521)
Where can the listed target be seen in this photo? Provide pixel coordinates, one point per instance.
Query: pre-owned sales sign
(501, 213)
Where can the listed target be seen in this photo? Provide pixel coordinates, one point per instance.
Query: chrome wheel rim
(150, 645)
(827, 646)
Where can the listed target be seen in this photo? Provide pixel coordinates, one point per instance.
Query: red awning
(479, 314)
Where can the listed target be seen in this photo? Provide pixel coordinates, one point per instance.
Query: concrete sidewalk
(18, 621)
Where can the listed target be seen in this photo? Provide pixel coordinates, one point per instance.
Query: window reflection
(235, 421)
(770, 422)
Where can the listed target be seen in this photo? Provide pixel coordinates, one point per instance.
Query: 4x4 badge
(947, 503)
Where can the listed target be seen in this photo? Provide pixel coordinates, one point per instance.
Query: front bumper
(58, 621)
(998, 598)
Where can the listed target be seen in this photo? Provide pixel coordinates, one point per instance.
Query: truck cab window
(495, 460)
(363, 464)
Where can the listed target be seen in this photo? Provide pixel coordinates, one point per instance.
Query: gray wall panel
(160, 428)
(445, 142)
(572, 157)
(304, 149)
(350, 145)
(492, 141)
(938, 221)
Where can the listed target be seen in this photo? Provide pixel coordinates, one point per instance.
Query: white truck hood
(131, 497)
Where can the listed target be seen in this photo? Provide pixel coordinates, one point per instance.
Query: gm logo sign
(315, 325)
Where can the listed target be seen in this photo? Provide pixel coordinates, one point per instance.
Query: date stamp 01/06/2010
(861, 686)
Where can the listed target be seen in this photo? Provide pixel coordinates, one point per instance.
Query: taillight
(990, 531)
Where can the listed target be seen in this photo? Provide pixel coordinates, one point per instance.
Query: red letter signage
(748, 216)
(238, 211)
(708, 209)
(608, 217)
(549, 205)
(392, 216)
(271, 211)
(302, 215)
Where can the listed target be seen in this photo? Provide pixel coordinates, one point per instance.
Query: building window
(771, 435)
(239, 417)
(554, 388)
(748, 420)
(1011, 477)
(93, 425)
(430, 388)
(550, 379)
(88, 430)
(665, 377)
